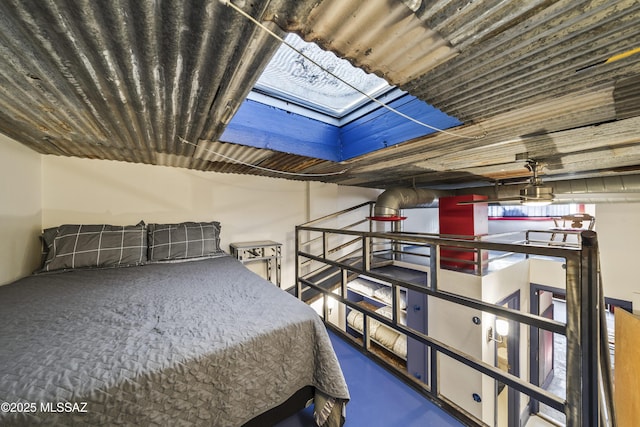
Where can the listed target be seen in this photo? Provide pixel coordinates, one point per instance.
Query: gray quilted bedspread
(195, 343)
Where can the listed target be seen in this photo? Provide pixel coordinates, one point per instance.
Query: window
(297, 107)
(521, 211)
(292, 78)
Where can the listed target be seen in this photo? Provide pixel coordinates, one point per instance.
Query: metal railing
(328, 257)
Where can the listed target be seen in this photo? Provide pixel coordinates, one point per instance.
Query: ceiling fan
(535, 193)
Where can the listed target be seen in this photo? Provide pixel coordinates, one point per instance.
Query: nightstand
(262, 250)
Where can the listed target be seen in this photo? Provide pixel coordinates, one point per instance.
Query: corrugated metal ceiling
(133, 80)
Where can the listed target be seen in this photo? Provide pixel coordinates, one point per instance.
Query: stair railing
(348, 250)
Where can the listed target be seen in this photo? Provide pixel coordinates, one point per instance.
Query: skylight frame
(289, 74)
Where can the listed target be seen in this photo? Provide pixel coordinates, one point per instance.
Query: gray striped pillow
(183, 240)
(73, 246)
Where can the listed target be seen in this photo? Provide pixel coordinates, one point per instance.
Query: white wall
(618, 228)
(248, 207)
(20, 213)
(519, 226)
(324, 199)
(41, 191)
(424, 220)
(453, 325)
(497, 286)
(618, 231)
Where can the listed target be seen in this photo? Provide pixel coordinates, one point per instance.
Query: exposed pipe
(612, 189)
(391, 201)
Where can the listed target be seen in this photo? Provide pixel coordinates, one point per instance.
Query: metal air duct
(612, 189)
(391, 201)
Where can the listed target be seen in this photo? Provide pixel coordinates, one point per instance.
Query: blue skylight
(292, 77)
(296, 107)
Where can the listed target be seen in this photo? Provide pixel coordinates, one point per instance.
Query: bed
(188, 340)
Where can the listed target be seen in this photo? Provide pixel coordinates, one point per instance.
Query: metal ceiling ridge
(506, 152)
(453, 103)
(526, 98)
(334, 21)
(125, 81)
(510, 125)
(522, 41)
(464, 36)
(513, 81)
(566, 67)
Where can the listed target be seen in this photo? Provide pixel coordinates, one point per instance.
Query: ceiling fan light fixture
(536, 195)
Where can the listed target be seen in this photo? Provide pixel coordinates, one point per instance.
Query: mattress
(380, 333)
(363, 286)
(195, 343)
(383, 293)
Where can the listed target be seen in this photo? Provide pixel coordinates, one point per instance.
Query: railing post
(433, 372)
(432, 283)
(434, 262)
(574, 333)
(325, 243)
(395, 246)
(605, 359)
(343, 282)
(366, 253)
(298, 285)
(590, 317)
(325, 307)
(582, 335)
(371, 210)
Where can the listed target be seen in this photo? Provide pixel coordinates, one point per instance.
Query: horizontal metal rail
(470, 244)
(581, 401)
(530, 319)
(342, 246)
(513, 381)
(337, 214)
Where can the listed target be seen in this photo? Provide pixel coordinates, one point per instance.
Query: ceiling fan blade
(534, 193)
(498, 200)
(523, 197)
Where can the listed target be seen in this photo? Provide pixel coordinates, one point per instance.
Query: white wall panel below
(20, 214)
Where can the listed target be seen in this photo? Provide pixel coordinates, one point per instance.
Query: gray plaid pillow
(76, 246)
(183, 240)
(46, 240)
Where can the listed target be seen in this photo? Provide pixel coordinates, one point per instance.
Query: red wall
(462, 220)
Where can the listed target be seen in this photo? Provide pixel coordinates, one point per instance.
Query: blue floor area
(378, 398)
